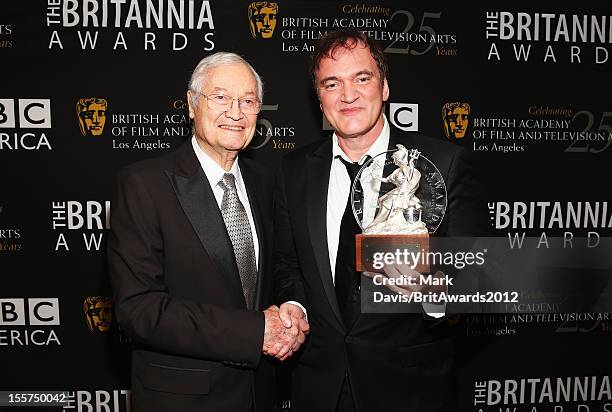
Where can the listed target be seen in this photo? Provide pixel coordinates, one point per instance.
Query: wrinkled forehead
(343, 61)
(230, 78)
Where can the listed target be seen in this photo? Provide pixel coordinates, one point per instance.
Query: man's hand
(292, 315)
(280, 341)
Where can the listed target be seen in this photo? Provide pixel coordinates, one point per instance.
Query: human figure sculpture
(399, 210)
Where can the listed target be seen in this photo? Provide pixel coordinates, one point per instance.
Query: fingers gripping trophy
(404, 207)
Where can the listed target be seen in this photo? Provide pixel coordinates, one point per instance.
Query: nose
(349, 92)
(95, 118)
(234, 111)
(266, 22)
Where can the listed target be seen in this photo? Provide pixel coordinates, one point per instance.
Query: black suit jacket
(177, 291)
(394, 361)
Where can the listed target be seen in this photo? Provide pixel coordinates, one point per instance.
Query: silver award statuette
(401, 200)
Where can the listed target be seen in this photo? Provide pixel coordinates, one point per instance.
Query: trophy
(398, 199)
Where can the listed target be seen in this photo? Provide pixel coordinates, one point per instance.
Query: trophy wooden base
(377, 249)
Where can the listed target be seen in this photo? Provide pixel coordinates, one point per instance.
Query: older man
(189, 258)
(356, 361)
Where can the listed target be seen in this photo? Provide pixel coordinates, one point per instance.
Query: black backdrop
(552, 108)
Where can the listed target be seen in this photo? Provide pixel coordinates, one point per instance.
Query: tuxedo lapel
(255, 200)
(198, 202)
(318, 168)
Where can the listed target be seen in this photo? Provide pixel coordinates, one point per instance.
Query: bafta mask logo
(91, 113)
(98, 313)
(456, 119)
(262, 19)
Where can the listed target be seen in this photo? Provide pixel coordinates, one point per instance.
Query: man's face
(232, 130)
(101, 316)
(351, 92)
(94, 118)
(264, 22)
(457, 122)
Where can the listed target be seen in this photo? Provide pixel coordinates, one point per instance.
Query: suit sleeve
(288, 279)
(146, 311)
(467, 214)
(466, 219)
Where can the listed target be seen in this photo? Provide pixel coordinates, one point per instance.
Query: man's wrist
(299, 305)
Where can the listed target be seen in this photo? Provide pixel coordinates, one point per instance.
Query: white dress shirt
(214, 173)
(339, 187)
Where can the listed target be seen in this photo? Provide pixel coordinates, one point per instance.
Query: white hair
(198, 77)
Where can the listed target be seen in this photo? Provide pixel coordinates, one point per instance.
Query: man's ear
(189, 103)
(385, 90)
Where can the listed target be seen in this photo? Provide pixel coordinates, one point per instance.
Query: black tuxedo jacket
(177, 291)
(395, 362)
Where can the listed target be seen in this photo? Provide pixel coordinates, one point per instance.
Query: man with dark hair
(356, 361)
(347, 39)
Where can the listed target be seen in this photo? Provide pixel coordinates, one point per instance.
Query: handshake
(286, 329)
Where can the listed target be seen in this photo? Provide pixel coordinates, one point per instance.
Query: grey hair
(198, 77)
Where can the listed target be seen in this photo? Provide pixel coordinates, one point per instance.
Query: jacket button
(349, 339)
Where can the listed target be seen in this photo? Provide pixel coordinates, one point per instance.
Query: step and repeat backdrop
(88, 86)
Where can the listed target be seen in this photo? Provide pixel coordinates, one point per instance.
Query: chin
(354, 125)
(235, 145)
(233, 140)
(353, 131)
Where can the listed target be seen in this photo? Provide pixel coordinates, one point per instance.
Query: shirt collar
(212, 170)
(381, 144)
